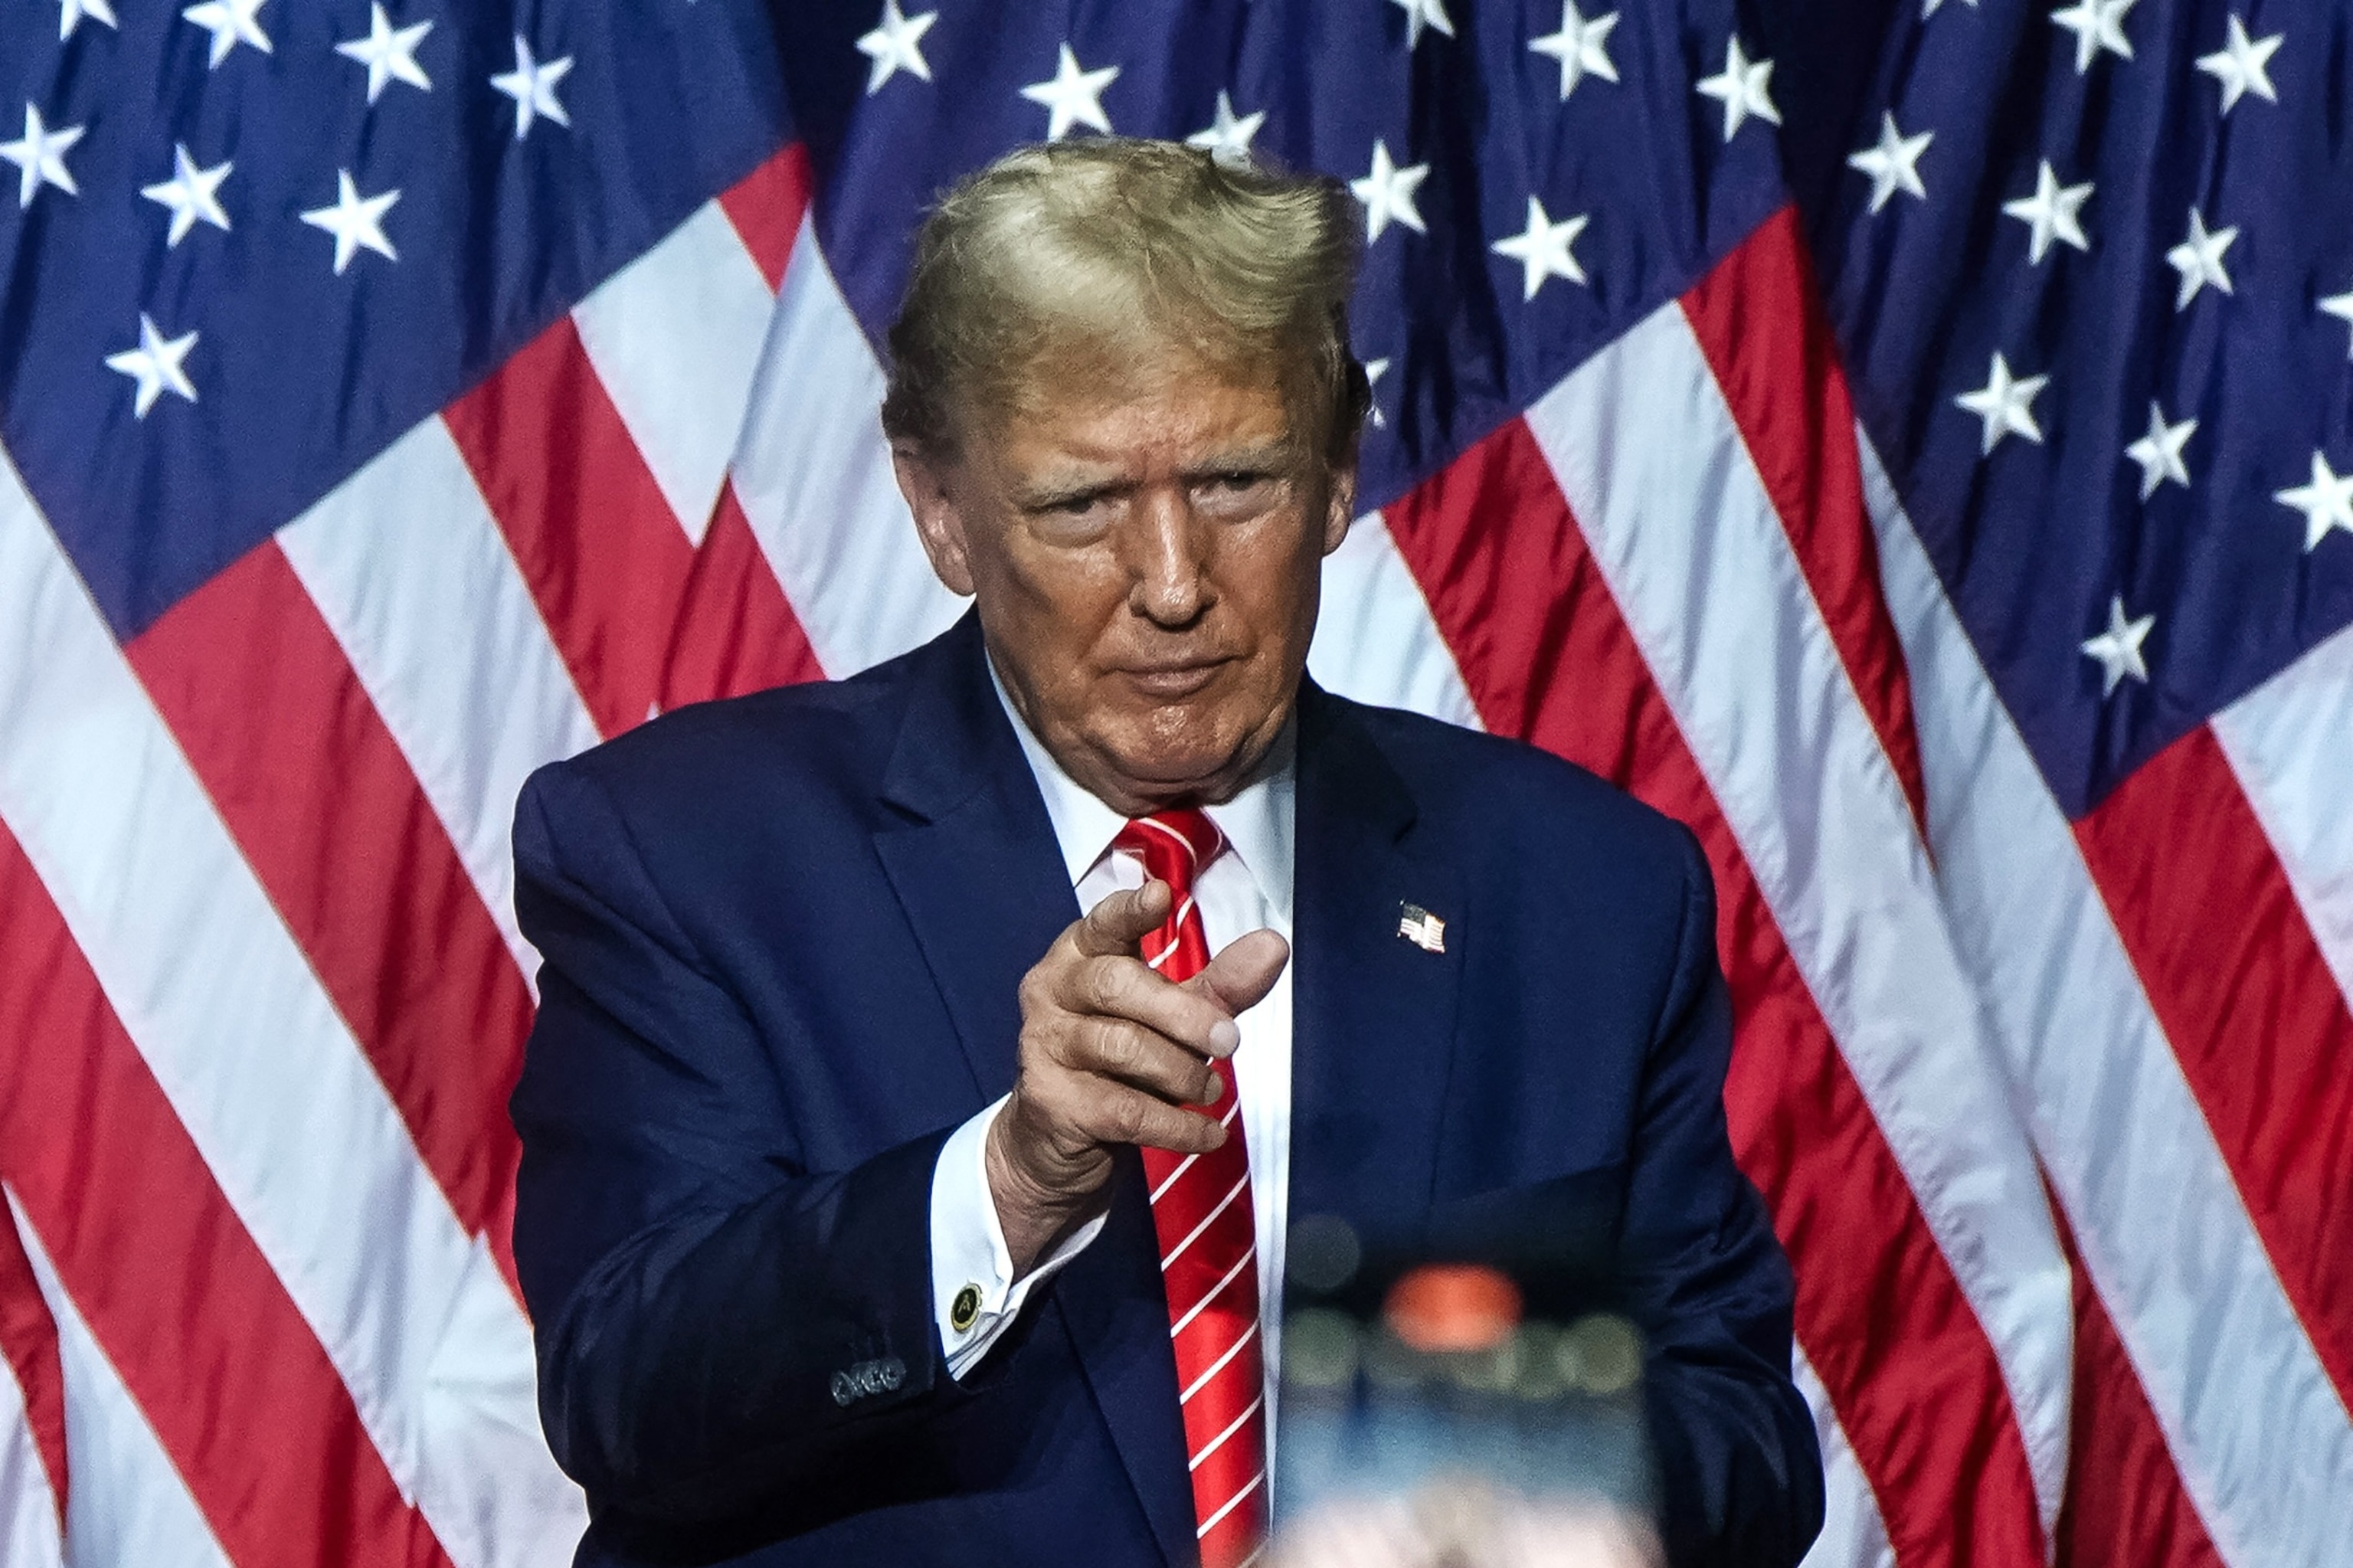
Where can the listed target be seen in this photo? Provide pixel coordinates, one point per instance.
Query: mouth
(1173, 681)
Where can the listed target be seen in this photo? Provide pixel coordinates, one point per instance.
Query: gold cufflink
(965, 1310)
(1420, 927)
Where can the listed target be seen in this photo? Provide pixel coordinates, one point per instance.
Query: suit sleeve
(1739, 1466)
(717, 1328)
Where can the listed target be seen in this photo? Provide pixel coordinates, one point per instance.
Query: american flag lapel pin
(1420, 927)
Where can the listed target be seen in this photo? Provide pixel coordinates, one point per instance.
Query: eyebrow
(1267, 458)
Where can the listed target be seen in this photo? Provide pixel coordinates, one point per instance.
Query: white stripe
(1228, 1506)
(305, 1143)
(1375, 639)
(1195, 1233)
(1651, 461)
(125, 1502)
(28, 1511)
(1164, 830)
(1177, 920)
(1214, 1444)
(2290, 741)
(1185, 1322)
(814, 477)
(1219, 1364)
(1853, 1534)
(28, 1506)
(675, 336)
(412, 575)
(2260, 1435)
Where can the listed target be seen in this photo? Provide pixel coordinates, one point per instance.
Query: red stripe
(29, 1343)
(2124, 1506)
(736, 632)
(1547, 655)
(1758, 318)
(606, 560)
(325, 809)
(183, 1303)
(2256, 1019)
(766, 205)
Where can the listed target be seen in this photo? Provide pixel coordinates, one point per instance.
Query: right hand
(1111, 1054)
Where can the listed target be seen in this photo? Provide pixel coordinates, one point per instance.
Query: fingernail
(1217, 1090)
(1224, 1036)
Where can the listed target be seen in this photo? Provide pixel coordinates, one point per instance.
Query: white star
(896, 45)
(2006, 404)
(2097, 25)
(2050, 212)
(2341, 307)
(532, 85)
(2118, 648)
(1581, 48)
(231, 23)
(2240, 64)
(1894, 165)
(1542, 250)
(189, 194)
(1743, 89)
(1074, 97)
(1229, 137)
(155, 365)
(533, 88)
(388, 52)
(1420, 14)
(1388, 194)
(1374, 370)
(40, 155)
(71, 12)
(2199, 259)
(2327, 502)
(2160, 451)
(355, 221)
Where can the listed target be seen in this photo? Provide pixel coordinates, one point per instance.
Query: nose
(1169, 584)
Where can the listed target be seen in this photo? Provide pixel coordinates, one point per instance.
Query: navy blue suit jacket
(782, 938)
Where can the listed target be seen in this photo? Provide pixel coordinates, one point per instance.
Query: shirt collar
(1258, 821)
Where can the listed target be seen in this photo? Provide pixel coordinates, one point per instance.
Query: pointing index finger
(1117, 925)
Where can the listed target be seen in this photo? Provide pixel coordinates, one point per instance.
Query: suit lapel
(1374, 1012)
(973, 859)
(974, 864)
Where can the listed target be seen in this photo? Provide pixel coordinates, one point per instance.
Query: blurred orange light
(1452, 1307)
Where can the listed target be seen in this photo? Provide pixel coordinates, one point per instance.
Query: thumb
(1238, 978)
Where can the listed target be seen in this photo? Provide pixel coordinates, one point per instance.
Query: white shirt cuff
(972, 1270)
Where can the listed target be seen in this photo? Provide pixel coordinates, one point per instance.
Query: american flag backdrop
(1904, 442)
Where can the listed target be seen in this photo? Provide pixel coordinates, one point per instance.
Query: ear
(927, 482)
(1340, 505)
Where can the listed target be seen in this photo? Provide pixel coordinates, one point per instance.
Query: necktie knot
(1175, 846)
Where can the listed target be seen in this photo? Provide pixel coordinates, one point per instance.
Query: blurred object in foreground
(1459, 1521)
(1428, 1421)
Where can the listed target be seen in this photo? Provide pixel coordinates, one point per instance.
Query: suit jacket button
(845, 1389)
(891, 1372)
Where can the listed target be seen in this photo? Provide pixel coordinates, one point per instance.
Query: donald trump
(929, 1064)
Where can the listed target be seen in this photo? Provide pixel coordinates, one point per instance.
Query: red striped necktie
(1208, 1239)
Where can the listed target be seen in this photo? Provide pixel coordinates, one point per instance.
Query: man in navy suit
(929, 1064)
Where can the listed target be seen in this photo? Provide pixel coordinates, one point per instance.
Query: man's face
(1145, 544)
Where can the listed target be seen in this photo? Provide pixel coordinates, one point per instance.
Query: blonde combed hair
(1123, 248)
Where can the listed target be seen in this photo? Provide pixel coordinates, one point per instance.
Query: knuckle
(1130, 1118)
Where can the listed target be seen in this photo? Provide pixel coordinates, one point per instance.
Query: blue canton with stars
(2101, 334)
(248, 243)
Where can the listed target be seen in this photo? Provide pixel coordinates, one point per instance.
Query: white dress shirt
(1246, 888)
